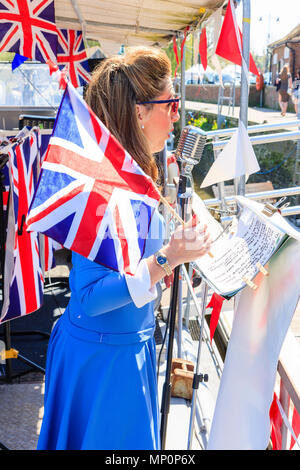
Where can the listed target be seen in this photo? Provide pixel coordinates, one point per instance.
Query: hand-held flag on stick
(230, 41)
(71, 56)
(92, 197)
(28, 28)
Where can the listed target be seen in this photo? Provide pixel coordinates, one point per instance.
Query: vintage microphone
(189, 152)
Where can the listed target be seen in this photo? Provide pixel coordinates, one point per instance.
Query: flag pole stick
(170, 208)
(177, 216)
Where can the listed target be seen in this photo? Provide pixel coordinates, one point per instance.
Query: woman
(285, 84)
(100, 389)
(295, 91)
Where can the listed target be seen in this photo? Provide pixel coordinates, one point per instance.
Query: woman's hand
(188, 242)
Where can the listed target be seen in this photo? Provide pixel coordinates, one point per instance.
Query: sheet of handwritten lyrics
(235, 254)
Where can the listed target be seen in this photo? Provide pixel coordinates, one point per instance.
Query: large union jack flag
(71, 56)
(23, 288)
(28, 28)
(92, 197)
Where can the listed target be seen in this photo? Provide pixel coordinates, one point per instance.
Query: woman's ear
(140, 112)
(143, 114)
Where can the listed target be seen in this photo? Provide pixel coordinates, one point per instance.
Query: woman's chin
(158, 148)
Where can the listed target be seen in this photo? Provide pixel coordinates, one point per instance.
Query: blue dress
(100, 385)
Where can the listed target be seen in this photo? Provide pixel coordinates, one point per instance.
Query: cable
(277, 166)
(164, 340)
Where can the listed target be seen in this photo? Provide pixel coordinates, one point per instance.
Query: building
(285, 51)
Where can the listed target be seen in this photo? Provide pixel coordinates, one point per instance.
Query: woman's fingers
(189, 241)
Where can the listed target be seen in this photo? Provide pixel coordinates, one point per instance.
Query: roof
(132, 22)
(292, 36)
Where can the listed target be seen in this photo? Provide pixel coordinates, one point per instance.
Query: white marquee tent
(132, 22)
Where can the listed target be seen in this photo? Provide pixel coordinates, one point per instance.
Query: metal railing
(289, 388)
(263, 139)
(289, 383)
(253, 129)
(262, 195)
(218, 144)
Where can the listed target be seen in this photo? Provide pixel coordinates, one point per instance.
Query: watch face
(161, 259)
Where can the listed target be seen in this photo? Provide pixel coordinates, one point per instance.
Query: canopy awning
(132, 22)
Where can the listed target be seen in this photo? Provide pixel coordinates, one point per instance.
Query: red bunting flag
(229, 47)
(276, 423)
(176, 54)
(295, 426)
(181, 49)
(215, 303)
(276, 420)
(61, 75)
(203, 48)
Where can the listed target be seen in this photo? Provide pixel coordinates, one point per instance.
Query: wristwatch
(162, 261)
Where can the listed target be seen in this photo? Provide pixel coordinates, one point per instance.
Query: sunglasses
(174, 101)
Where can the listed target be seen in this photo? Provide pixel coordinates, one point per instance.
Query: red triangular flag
(183, 43)
(203, 48)
(295, 426)
(181, 49)
(228, 46)
(61, 74)
(276, 422)
(215, 303)
(176, 54)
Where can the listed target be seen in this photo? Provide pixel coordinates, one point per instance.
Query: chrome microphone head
(191, 145)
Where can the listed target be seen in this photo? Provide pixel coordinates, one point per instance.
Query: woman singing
(100, 388)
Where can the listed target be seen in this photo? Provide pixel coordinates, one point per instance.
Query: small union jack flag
(23, 288)
(28, 28)
(71, 56)
(92, 197)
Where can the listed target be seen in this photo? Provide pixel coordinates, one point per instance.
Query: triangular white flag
(236, 159)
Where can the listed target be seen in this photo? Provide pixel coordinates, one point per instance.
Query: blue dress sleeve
(98, 289)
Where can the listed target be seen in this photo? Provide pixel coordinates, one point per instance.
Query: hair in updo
(117, 84)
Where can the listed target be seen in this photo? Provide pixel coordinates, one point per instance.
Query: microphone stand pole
(183, 197)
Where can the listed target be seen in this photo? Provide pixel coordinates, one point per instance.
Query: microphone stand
(189, 150)
(184, 195)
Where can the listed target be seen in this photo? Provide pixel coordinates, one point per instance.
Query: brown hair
(284, 72)
(117, 85)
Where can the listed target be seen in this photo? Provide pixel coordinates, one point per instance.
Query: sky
(287, 12)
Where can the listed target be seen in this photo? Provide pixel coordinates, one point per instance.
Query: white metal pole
(240, 182)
